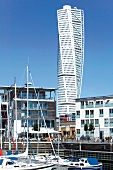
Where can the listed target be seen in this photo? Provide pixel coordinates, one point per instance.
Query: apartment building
(99, 112)
(13, 112)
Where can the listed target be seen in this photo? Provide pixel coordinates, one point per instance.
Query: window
(92, 121)
(86, 102)
(106, 122)
(87, 113)
(111, 121)
(87, 121)
(111, 130)
(78, 131)
(82, 123)
(82, 103)
(101, 112)
(99, 102)
(78, 114)
(110, 112)
(96, 122)
(92, 113)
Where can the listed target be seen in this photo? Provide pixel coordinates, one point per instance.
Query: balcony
(110, 114)
(101, 115)
(78, 135)
(82, 107)
(96, 125)
(108, 104)
(82, 125)
(111, 124)
(90, 106)
(92, 116)
(111, 133)
(98, 105)
(77, 116)
(106, 125)
(86, 116)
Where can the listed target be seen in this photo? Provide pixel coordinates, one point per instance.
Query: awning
(52, 131)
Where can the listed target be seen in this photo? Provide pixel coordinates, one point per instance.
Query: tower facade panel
(70, 57)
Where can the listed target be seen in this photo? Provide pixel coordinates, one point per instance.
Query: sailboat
(7, 163)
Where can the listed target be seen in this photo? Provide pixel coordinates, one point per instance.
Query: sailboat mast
(16, 113)
(27, 107)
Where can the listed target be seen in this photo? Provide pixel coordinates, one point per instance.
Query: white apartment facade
(96, 110)
(70, 57)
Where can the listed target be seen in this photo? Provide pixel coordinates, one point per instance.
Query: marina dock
(103, 151)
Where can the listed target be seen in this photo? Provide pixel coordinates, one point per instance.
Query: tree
(91, 127)
(85, 127)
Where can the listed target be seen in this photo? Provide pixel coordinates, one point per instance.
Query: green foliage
(86, 127)
(91, 127)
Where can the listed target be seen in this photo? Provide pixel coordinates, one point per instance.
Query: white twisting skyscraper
(70, 57)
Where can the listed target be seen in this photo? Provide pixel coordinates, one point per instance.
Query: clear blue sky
(28, 29)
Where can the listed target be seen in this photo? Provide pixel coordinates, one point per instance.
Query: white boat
(40, 158)
(8, 164)
(78, 163)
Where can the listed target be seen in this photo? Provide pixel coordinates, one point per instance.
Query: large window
(82, 103)
(78, 131)
(87, 113)
(91, 113)
(111, 131)
(92, 121)
(110, 112)
(87, 121)
(106, 122)
(111, 122)
(78, 114)
(96, 122)
(100, 112)
(82, 123)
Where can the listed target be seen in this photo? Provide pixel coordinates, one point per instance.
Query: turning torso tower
(70, 58)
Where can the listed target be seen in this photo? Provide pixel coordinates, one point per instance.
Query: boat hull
(37, 167)
(85, 168)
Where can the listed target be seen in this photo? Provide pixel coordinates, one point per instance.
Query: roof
(94, 98)
(12, 87)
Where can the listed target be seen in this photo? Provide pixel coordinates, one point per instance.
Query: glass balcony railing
(78, 135)
(82, 125)
(98, 105)
(82, 107)
(110, 114)
(101, 115)
(108, 104)
(106, 125)
(77, 116)
(90, 106)
(92, 116)
(86, 116)
(111, 124)
(96, 125)
(111, 133)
